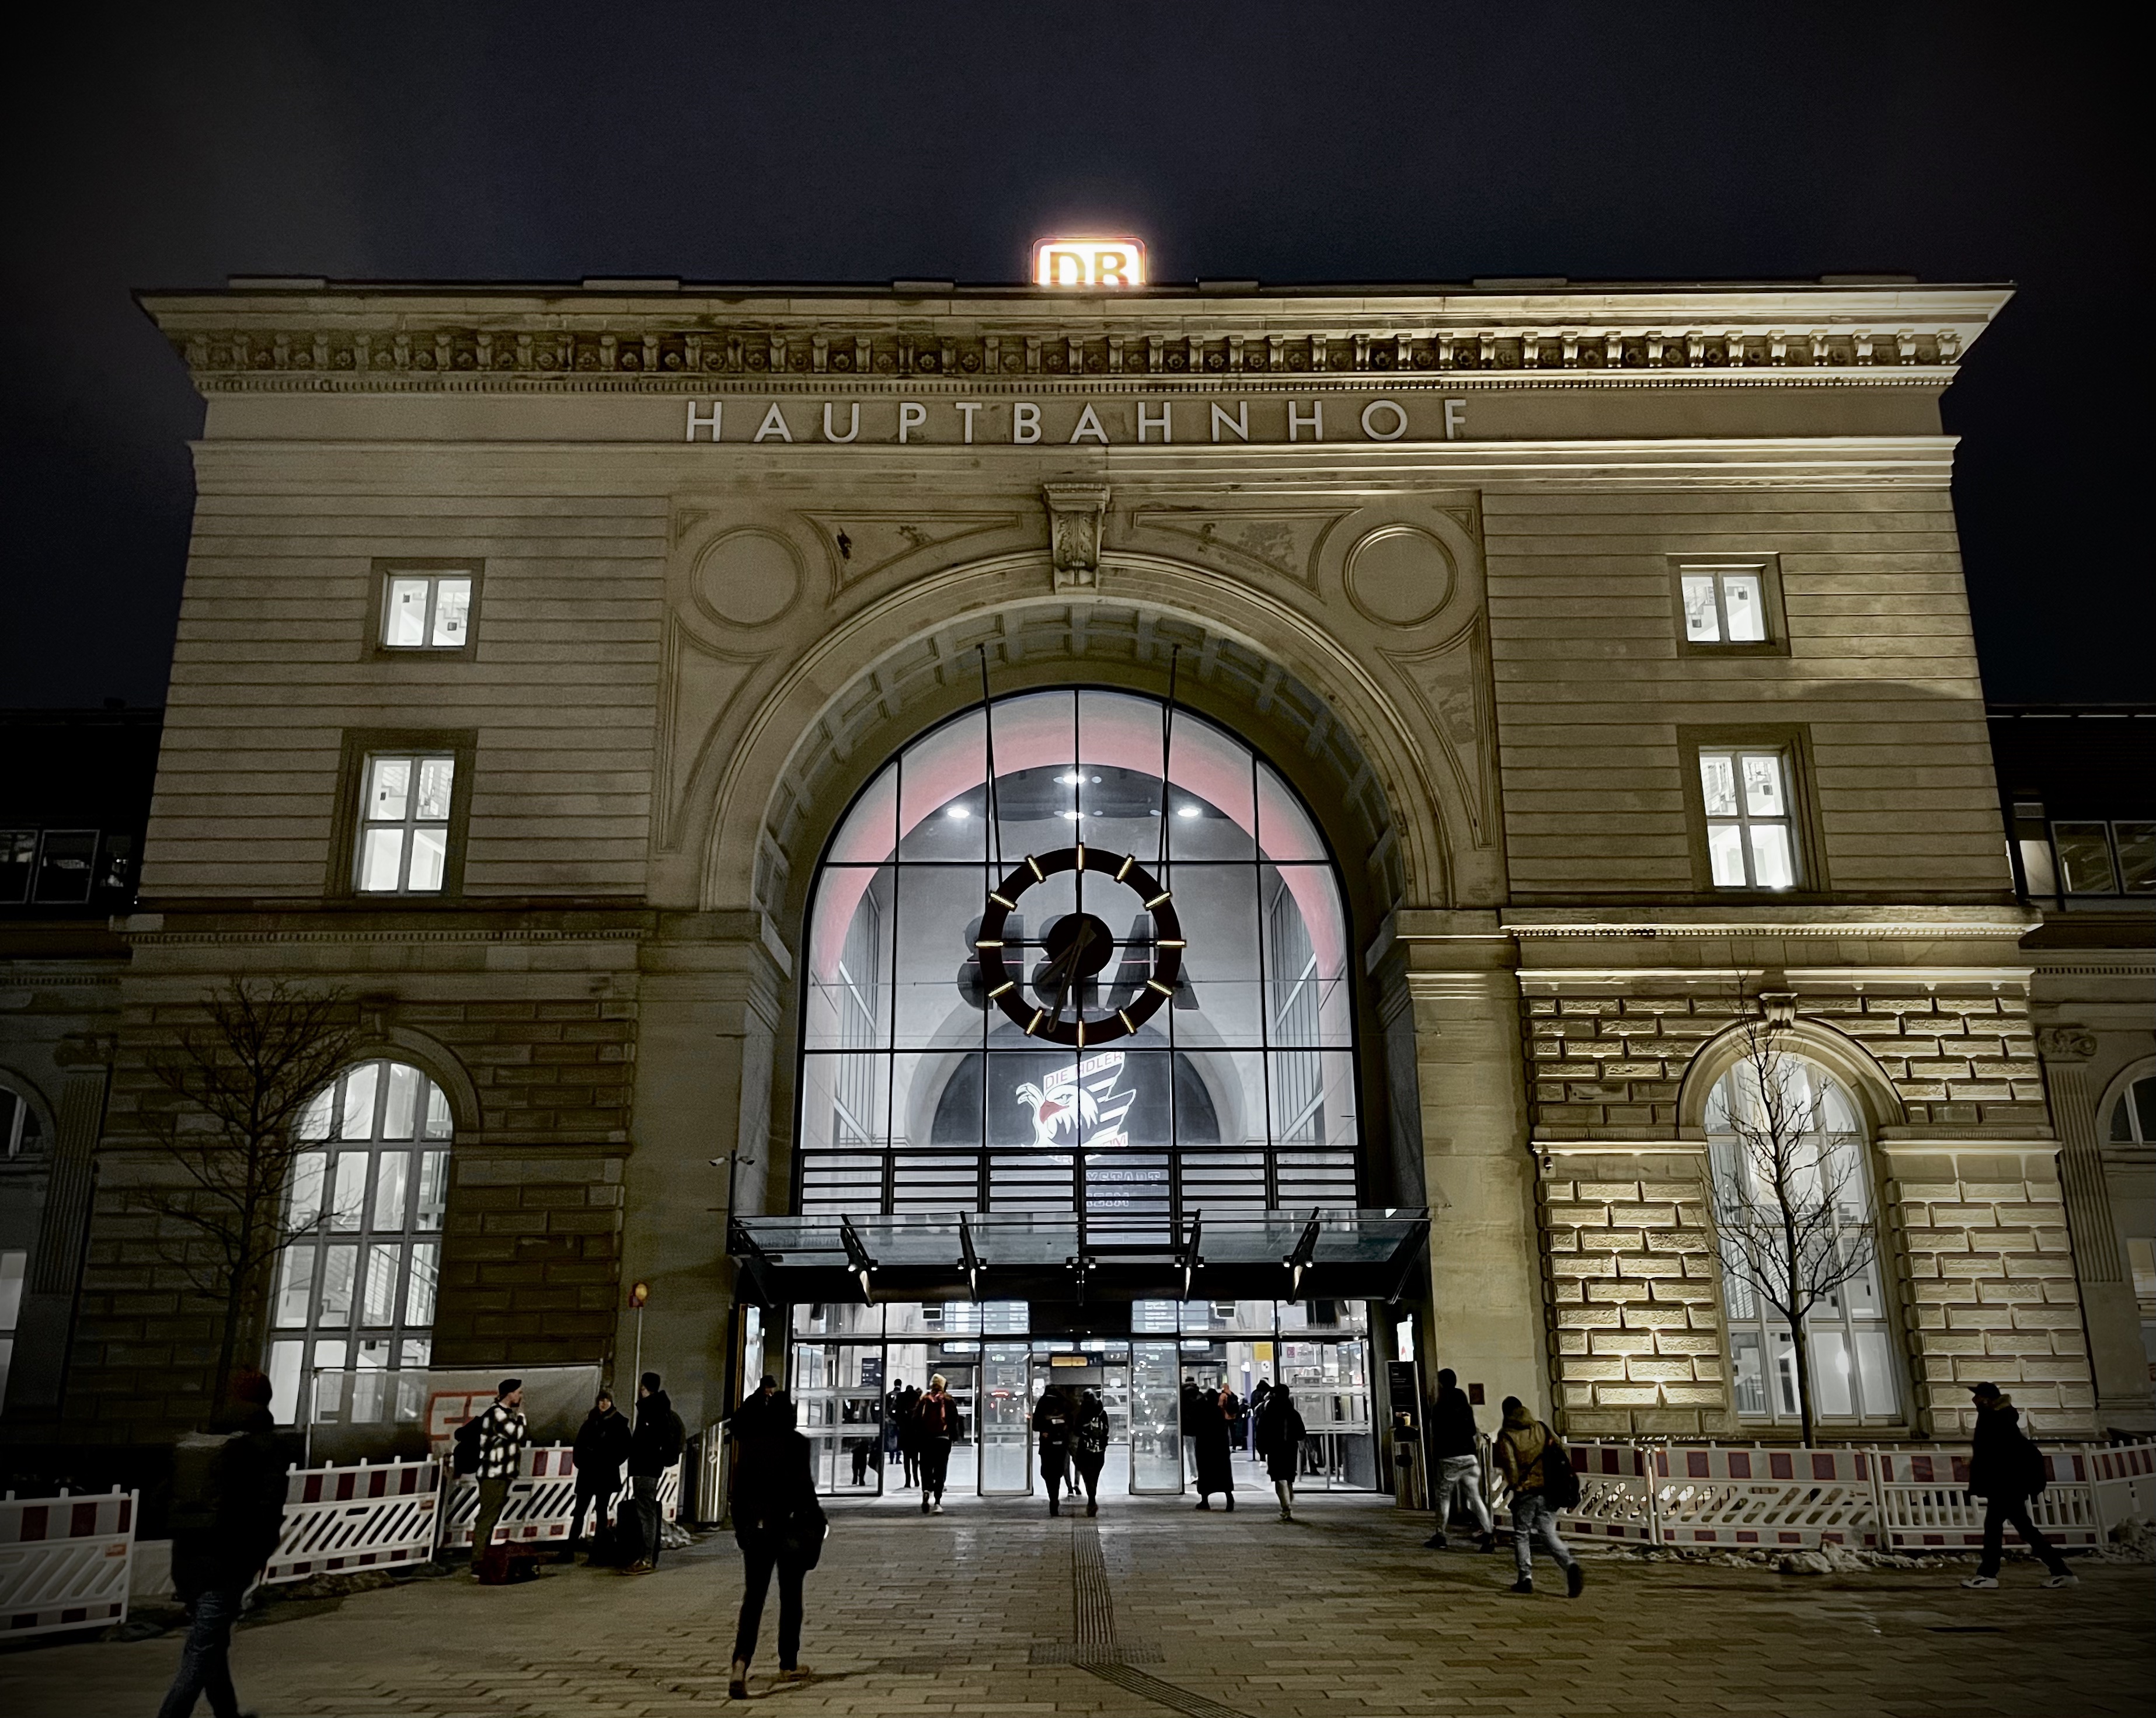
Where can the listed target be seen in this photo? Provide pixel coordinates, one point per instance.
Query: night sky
(1291, 143)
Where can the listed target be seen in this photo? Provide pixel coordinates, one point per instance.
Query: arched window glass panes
(2134, 1116)
(1854, 1375)
(921, 1094)
(18, 1124)
(354, 1309)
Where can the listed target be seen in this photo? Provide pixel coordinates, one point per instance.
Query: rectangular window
(18, 859)
(67, 862)
(2084, 851)
(1729, 607)
(404, 824)
(2137, 857)
(1751, 828)
(426, 611)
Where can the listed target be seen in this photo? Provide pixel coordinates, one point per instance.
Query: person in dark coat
(909, 1436)
(1279, 1442)
(602, 1446)
(2004, 1471)
(653, 1447)
(228, 1514)
(1459, 1460)
(780, 1527)
(1089, 1449)
(1053, 1422)
(1209, 1435)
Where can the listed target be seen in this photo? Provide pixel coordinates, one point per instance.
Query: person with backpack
(492, 1443)
(780, 1527)
(1452, 1441)
(1281, 1434)
(1052, 1423)
(228, 1515)
(937, 1420)
(602, 1446)
(1089, 1449)
(1536, 1468)
(653, 1447)
(2006, 1469)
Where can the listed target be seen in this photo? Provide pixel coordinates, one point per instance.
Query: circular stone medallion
(748, 578)
(1398, 575)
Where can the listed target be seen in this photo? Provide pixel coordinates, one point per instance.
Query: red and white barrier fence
(340, 1520)
(1890, 1499)
(541, 1499)
(64, 1560)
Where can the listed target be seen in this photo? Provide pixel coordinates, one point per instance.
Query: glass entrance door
(1005, 1407)
(838, 1394)
(1156, 1418)
(1332, 1385)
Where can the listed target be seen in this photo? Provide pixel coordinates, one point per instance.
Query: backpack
(464, 1456)
(1560, 1479)
(2036, 1469)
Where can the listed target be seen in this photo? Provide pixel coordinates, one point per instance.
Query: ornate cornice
(376, 341)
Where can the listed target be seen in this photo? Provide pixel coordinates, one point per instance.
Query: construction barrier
(339, 1520)
(540, 1501)
(64, 1560)
(1764, 1499)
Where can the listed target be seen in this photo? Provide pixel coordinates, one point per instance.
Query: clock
(1078, 946)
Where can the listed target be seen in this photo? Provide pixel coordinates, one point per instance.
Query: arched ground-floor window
(352, 1318)
(1796, 1213)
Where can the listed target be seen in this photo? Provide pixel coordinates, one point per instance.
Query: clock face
(1054, 1006)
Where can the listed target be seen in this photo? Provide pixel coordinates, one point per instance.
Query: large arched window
(353, 1319)
(1808, 1121)
(926, 1086)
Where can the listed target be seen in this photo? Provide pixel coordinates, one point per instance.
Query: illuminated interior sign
(1110, 262)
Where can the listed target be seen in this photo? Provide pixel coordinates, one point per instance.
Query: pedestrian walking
(500, 1436)
(2006, 1470)
(1453, 1442)
(653, 1447)
(780, 1527)
(602, 1446)
(1053, 1420)
(1280, 1436)
(937, 1419)
(1528, 1452)
(228, 1512)
(1089, 1449)
(1210, 1440)
(894, 1425)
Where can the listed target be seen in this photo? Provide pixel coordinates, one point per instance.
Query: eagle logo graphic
(1081, 1103)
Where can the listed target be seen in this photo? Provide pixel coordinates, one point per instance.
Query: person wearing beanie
(2006, 1470)
(502, 1436)
(653, 1447)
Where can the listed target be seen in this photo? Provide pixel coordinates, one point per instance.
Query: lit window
(1811, 1128)
(353, 1315)
(1751, 841)
(1724, 606)
(14, 1265)
(426, 611)
(404, 824)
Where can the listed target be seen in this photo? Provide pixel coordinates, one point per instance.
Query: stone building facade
(656, 580)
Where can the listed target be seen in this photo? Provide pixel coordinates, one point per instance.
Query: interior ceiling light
(958, 811)
(1071, 816)
(1071, 778)
(1186, 810)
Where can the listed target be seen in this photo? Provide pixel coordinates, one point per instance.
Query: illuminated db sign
(1089, 262)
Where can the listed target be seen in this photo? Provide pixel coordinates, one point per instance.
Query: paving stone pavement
(992, 1608)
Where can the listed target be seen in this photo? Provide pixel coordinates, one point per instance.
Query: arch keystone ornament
(1075, 515)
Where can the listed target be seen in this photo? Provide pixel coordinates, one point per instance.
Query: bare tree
(1789, 1220)
(239, 1080)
